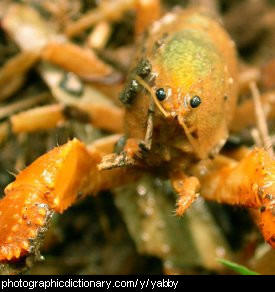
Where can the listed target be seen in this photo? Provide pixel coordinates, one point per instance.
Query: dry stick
(108, 11)
(260, 118)
(17, 65)
(49, 116)
(4, 131)
(38, 118)
(248, 75)
(256, 137)
(6, 111)
(100, 35)
(211, 5)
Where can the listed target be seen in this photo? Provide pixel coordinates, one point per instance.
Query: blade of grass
(237, 268)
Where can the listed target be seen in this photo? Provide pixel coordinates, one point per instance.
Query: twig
(100, 35)
(106, 11)
(248, 75)
(260, 118)
(6, 111)
(17, 65)
(210, 5)
(4, 131)
(256, 137)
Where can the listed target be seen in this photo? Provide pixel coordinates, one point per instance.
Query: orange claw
(42, 187)
(58, 175)
(249, 183)
(21, 220)
(53, 182)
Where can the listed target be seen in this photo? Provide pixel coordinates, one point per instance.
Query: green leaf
(237, 268)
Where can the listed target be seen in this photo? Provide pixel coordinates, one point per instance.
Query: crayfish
(179, 105)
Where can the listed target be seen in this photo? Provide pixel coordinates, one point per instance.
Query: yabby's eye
(161, 94)
(195, 101)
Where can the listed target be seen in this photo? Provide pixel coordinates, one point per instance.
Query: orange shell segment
(59, 175)
(20, 221)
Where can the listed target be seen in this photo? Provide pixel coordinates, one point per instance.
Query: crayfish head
(199, 110)
(195, 83)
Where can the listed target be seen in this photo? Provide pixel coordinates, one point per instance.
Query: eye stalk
(195, 101)
(161, 94)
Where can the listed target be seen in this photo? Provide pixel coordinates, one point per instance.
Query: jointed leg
(187, 189)
(133, 150)
(114, 160)
(147, 143)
